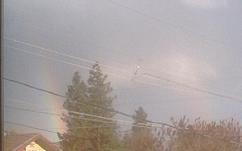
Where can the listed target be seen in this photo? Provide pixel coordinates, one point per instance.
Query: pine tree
(86, 135)
(139, 117)
(99, 91)
(74, 138)
(142, 138)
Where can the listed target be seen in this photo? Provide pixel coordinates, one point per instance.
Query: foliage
(92, 135)
(89, 134)
(142, 138)
(205, 136)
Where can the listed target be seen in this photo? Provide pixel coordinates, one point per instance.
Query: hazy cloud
(207, 4)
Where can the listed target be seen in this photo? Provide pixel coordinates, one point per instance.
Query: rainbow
(54, 102)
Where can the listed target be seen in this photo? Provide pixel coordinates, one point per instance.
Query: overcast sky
(193, 42)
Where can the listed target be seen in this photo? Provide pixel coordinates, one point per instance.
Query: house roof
(13, 142)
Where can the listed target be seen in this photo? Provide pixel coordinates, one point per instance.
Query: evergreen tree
(139, 117)
(142, 138)
(86, 135)
(76, 94)
(99, 91)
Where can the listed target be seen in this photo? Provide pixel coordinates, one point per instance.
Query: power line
(104, 119)
(65, 55)
(76, 113)
(33, 87)
(111, 110)
(81, 103)
(62, 96)
(157, 19)
(66, 62)
(160, 123)
(132, 116)
(48, 113)
(168, 81)
(193, 88)
(85, 67)
(37, 128)
(81, 118)
(50, 58)
(91, 119)
(153, 76)
(72, 57)
(32, 127)
(18, 101)
(135, 125)
(60, 53)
